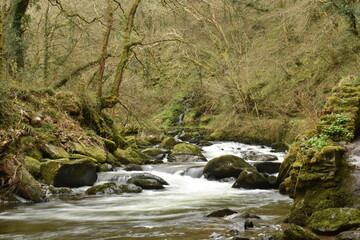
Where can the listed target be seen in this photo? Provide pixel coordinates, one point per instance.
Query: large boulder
(147, 181)
(295, 232)
(334, 220)
(267, 167)
(66, 173)
(224, 167)
(249, 178)
(130, 156)
(186, 152)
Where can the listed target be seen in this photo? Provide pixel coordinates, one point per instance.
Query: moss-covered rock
(33, 166)
(249, 178)
(104, 189)
(295, 232)
(147, 181)
(54, 152)
(168, 143)
(130, 156)
(95, 152)
(155, 153)
(60, 191)
(224, 167)
(334, 220)
(73, 173)
(349, 235)
(136, 142)
(130, 188)
(186, 152)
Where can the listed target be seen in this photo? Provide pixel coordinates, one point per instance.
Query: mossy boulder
(295, 232)
(155, 153)
(334, 220)
(224, 167)
(285, 166)
(104, 189)
(130, 188)
(136, 142)
(168, 143)
(267, 167)
(53, 152)
(130, 156)
(33, 166)
(222, 213)
(69, 173)
(249, 178)
(186, 152)
(147, 181)
(95, 152)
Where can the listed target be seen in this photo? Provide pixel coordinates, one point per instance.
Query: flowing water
(176, 212)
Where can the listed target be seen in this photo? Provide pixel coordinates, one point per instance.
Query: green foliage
(317, 142)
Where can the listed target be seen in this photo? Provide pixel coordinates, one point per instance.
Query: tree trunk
(46, 43)
(104, 48)
(25, 184)
(124, 58)
(1, 42)
(14, 33)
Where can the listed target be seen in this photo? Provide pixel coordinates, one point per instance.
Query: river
(177, 212)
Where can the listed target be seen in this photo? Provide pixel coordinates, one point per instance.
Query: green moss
(130, 156)
(334, 220)
(106, 188)
(54, 152)
(186, 148)
(153, 152)
(33, 166)
(168, 142)
(295, 232)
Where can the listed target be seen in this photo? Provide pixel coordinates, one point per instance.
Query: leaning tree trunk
(15, 50)
(1, 42)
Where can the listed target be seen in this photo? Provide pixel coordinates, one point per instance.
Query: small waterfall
(179, 119)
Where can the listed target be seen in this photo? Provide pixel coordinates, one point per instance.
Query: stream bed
(174, 213)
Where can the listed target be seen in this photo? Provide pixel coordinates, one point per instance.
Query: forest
(94, 86)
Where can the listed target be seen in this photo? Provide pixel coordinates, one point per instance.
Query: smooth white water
(176, 212)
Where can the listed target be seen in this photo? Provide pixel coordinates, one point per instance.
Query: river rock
(349, 235)
(248, 224)
(222, 213)
(334, 220)
(295, 232)
(224, 167)
(130, 156)
(104, 189)
(267, 167)
(54, 152)
(186, 152)
(249, 178)
(133, 167)
(95, 152)
(249, 215)
(258, 157)
(66, 173)
(155, 153)
(147, 181)
(130, 188)
(168, 143)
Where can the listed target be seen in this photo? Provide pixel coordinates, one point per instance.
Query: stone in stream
(155, 153)
(267, 167)
(222, 213)
(295, 232)
(113, 188)
(147, 181)
(258, 157)
(334, 220)
(186, 152)
(69, 173)
(251, 179)
(248, 224)
(224, 167)
(249, 215)
(133, 167)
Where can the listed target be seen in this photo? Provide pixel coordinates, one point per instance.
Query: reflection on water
(177, 212)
